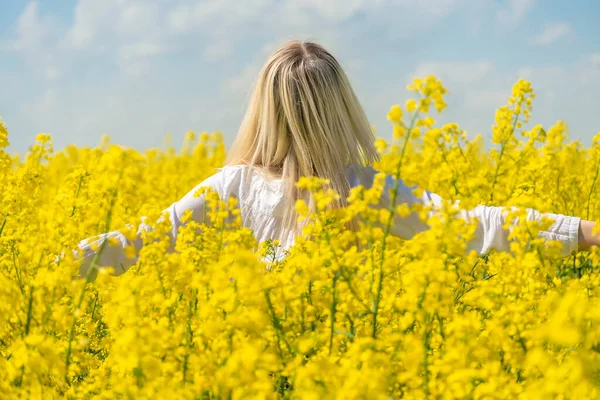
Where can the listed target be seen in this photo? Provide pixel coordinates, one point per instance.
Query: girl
(304, 119)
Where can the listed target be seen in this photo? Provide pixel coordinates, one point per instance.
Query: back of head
(304, 119)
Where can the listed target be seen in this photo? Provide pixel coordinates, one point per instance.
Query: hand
(586, 238)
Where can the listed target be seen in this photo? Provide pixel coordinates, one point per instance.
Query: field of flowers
(348, 314)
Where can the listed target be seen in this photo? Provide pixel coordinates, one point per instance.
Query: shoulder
(365, 175)
(233, 170)
(220, 182)
(226, 179)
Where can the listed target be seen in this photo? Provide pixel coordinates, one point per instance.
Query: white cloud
(168, 43)
(99, 25)
(31, 30)
(551, 34)
(217, 28)
(141, 49)
(134, 57)
(35, 40)
(186, 17)
(128, 33)
(89, 19)
(517, 10)
(139, 18)
(336, 10)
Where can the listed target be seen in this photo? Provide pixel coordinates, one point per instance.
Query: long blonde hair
(304, 119)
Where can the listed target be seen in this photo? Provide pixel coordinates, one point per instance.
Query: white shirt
(262, 204)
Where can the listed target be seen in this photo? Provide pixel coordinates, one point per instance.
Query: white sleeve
(490, 233)
(114, 255)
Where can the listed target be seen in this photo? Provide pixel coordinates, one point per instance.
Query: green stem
(332, 312)
(334, 300)
(592, 190)
(388, 227)
(3, 225)
(17, 270)
(29, 311)
(278, 328)
(190, 332)
(88, 278)
(502, 149)
(94, 306)
(353, 291)
(76, 196)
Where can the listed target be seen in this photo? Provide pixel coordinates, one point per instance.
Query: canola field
(346, 314)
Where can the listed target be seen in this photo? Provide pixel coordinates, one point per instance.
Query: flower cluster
(348, 313)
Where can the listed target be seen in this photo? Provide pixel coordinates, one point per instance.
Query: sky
(140, 70)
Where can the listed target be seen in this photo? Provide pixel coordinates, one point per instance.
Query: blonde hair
(304, 119)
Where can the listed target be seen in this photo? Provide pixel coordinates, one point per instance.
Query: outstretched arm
(95, 250)
(574, 234)
(118, 256)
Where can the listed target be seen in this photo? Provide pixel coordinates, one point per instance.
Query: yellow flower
(395, 114)
(380, 145)
(385, 296)
(42, 138)
(301, 208)
(403, 210)
(3, 135)
(399, 132)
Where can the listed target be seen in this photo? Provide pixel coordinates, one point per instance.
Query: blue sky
(138, 70)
